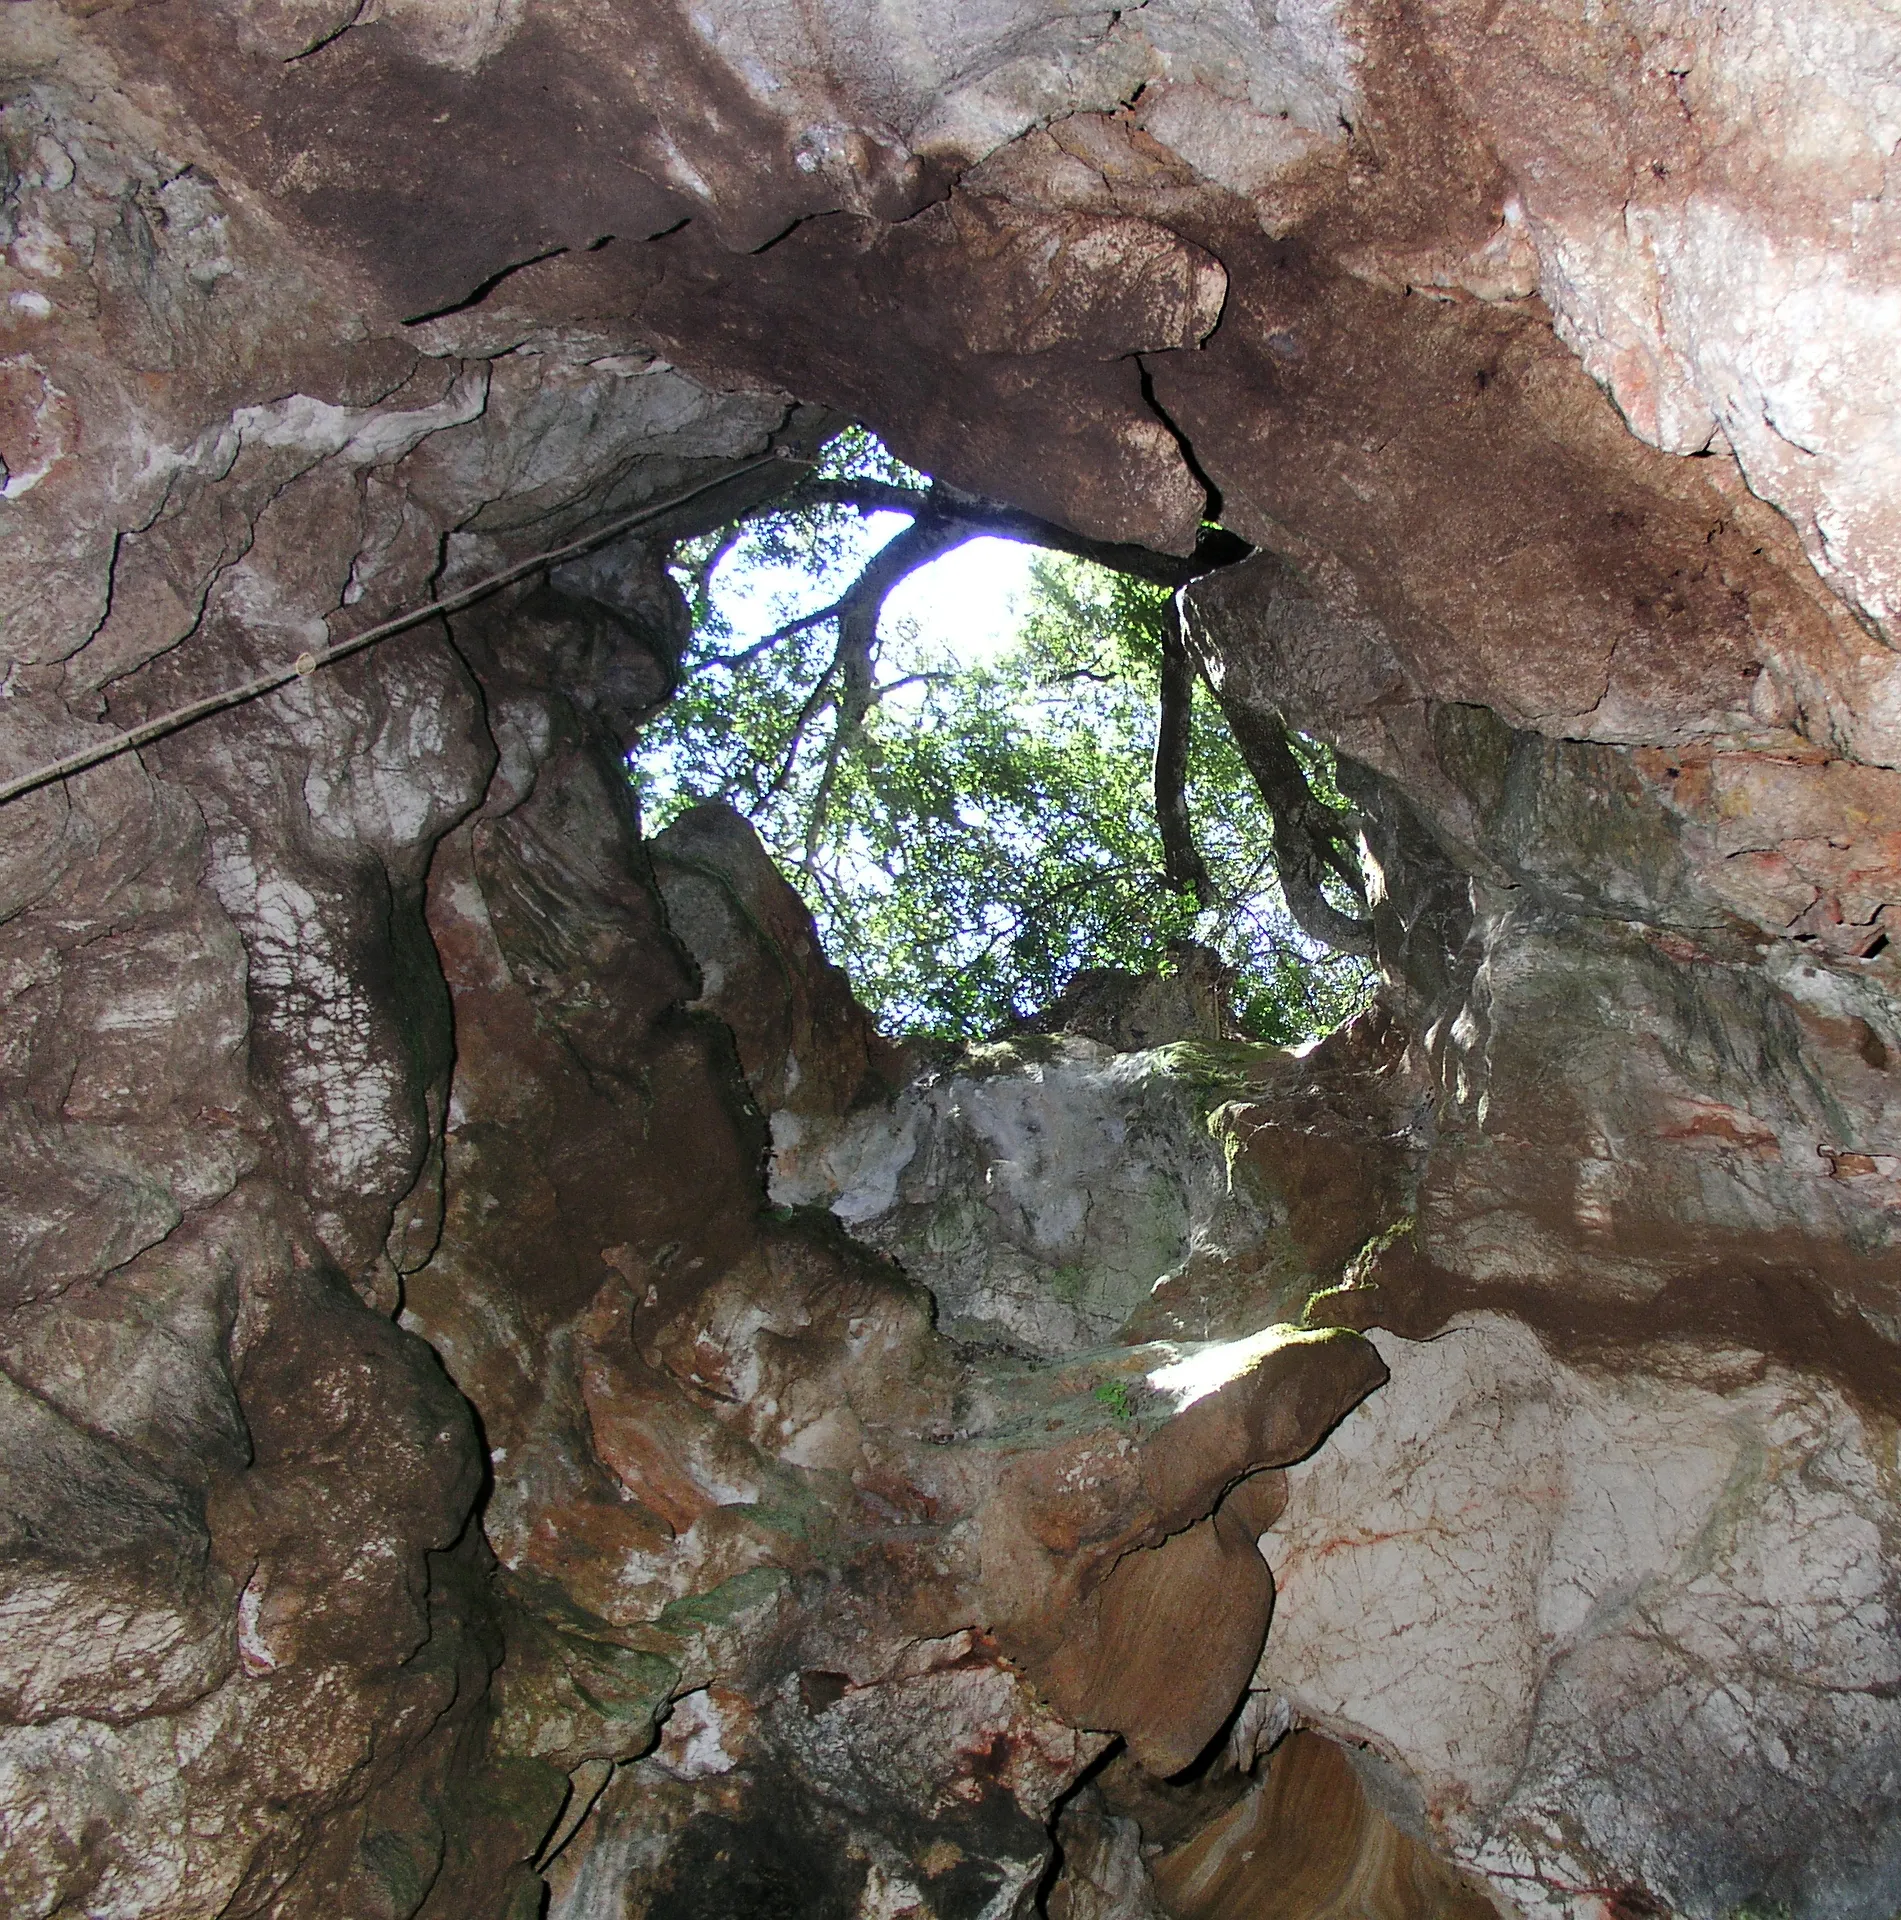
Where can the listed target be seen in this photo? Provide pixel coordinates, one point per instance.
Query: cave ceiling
(515, 1393)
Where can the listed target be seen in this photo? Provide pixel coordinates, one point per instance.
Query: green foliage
(1116, 1396)
(990, 828)
(815, 548)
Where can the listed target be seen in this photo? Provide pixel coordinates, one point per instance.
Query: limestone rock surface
(1608, 1631)
(1041, 1189)
(434, 1469)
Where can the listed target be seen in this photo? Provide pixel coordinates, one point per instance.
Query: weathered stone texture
(374, 1098)
(1620, 1631)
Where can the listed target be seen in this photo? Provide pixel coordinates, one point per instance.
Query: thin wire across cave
(310, 661)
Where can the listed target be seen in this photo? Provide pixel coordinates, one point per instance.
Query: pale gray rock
(1040, 1188)
(1618, 1629)
(1105, 1876)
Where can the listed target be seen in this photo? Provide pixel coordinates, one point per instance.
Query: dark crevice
(488, 286)
(785, 233)
(329, 39)
(1212, 510)
(1053, 1869)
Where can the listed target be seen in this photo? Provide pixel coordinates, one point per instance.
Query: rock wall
(436, 1470)
(1598, 1590)
(1620, 1629)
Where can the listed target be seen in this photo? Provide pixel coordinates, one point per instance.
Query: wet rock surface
(451, 1454)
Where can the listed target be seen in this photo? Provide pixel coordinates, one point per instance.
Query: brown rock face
(1208, 1581)
(805, 1045)
(1306, 1841)
(452, 1461)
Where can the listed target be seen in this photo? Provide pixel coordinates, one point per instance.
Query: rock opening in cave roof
(993, 804)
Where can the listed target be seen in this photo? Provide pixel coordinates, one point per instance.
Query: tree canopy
(970, 832)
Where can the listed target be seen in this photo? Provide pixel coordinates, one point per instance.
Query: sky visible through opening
(985, 826)
(968, 603)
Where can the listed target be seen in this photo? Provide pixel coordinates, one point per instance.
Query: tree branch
(1092, 877)
(1310, 837)
(868, 496)
(854, 660)
(814, 702)
(942, 518)
(1182, 864)
(771, 640)
(887, 687)
(703, 573)
(1215, 547)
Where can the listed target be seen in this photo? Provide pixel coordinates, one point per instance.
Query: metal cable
(307, 663)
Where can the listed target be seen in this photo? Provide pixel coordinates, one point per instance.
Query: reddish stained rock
(1132, 1607)
(1205, 1592)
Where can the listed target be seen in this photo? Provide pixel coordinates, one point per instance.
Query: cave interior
(520, 1400)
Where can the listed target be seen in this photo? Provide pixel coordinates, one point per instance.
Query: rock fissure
(1211, 494)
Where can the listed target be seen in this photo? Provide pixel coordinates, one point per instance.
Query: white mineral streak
(1619, 1630)
(1241, 91)
(45, 443)
(337, 1090)
(692, 1745)
(362, 436)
